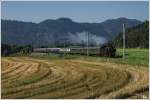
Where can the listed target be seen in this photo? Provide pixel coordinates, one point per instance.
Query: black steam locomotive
(107, 50)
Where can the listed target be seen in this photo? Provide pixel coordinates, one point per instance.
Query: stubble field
(26, 77)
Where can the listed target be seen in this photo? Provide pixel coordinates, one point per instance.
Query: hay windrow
(24, 77)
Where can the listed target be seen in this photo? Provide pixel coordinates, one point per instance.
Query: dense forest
(136, 37)
(7, 50)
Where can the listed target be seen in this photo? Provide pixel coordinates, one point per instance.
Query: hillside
(137, 36)
(63, 30)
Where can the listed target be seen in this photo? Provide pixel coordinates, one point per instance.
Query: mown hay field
(28, 77)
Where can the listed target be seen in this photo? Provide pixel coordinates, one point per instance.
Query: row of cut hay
(7, 64)
(16, 74)
(74, 79)
(52, 86)
(139, 82)
(55, 93)
(65, 88)
(32, 85)
(33, 68)
(23, 80)
(106, 88)
(19, 75)
(113, 87)
(20, 69)
(59, 72)
(12, 68)
(140, 94)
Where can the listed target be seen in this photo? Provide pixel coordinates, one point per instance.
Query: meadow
(132, 56)
(76, 76)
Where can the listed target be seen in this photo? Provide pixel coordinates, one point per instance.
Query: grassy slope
(136, 56)
(133, 57)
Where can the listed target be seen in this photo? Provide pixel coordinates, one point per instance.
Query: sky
(79, 11)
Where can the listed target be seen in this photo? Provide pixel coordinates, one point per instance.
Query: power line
(87, 43)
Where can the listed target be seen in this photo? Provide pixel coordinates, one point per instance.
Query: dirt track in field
(24, 77)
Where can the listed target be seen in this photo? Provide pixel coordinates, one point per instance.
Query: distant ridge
(55, 32)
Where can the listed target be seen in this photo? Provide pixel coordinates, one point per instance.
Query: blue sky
(79, 11)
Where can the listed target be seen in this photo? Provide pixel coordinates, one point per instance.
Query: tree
(5, 50)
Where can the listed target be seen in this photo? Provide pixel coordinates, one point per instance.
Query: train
(107, 50)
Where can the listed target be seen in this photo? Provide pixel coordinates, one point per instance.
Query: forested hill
(61, 31)
(137, 36)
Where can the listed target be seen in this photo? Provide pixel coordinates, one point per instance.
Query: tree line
(7, 50)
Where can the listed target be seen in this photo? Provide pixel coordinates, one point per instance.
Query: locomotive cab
(107, 50)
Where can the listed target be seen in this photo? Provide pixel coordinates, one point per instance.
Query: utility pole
(87, 43)
(123, 41)
(64, 43)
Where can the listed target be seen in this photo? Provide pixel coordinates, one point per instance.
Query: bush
(13, 49)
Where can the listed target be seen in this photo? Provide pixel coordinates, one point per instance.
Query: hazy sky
(79, 11)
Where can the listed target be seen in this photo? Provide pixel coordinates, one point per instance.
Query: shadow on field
(118, 56)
